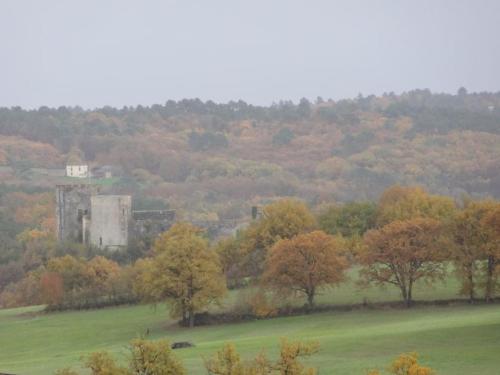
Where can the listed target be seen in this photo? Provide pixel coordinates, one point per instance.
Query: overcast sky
(102, 52)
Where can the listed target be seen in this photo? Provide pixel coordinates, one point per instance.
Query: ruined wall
(110, 220)
(72, 205)
(151, 222)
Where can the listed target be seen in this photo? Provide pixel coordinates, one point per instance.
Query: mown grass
(454, 340)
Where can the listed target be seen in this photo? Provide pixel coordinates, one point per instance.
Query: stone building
(109, 220)
(72, 208)
(104, 221)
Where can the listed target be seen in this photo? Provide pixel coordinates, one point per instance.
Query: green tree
(350, 219)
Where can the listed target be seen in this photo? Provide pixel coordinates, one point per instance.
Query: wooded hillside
(213, 161)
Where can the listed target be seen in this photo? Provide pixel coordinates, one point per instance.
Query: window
(100, 241)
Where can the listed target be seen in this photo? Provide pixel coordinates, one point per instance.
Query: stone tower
(110, 220)
(73, 207)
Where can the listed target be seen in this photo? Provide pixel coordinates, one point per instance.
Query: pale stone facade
(80, 171)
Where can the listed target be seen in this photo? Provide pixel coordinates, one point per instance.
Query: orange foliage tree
(280, 220)
(306, 263)
(402, 252)
(52, 288)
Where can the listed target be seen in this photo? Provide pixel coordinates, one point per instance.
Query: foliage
(491, 224)
(406, 364)
(154, 357)
(207, 140)
(183, 271)
(305, 264)
(350, 219)
(403, 252)
(472, 243)
(146, 358)
(230, 254)
(402, 203)
(283, 137)
(101, 363)
(280, 220)
(228, 362)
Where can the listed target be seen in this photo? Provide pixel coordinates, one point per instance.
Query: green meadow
(459, 339)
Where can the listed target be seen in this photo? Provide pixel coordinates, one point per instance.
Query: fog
(96, 53)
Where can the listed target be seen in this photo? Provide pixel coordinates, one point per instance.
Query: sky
(94, 53)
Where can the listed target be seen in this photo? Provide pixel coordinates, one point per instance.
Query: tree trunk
(471, 283)
(310, 299)
(489, 278)
(191, 318)
(409, 300)
(404, 293)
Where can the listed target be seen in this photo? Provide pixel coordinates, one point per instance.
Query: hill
(213, 161)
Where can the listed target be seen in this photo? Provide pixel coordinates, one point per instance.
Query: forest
(213, 162)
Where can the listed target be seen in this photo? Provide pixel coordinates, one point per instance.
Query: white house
(80, 171)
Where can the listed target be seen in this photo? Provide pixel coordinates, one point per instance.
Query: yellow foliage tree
(491, 223)
(406, 364)
(472, 243)
(403, 203)
(282, 219)
(184, 271)
(147, 358)
(154, 357)
(228, 361)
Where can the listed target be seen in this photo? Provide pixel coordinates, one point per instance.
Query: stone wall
(72, 205)
(151, 222)
(110, 220)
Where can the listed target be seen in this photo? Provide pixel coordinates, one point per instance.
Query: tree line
(408, 236)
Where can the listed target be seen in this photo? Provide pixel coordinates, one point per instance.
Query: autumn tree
(154, 357)
(403, 203)
(102, 363)
(402, 252)
(147, 358)
(406, 364)
(230, 257)
(228, 361)
(305, 263)
(472, 245)
(52, 288)
(183, 271)
(491, 224)
(290, 354)
(282, 219)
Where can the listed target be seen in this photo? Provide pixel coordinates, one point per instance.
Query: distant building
(106, 171)
(80, 171)
(109, 220)
(104, 221)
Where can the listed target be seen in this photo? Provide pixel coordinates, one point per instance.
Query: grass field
(454, 340)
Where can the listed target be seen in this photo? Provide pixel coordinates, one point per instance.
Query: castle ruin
(104, 221)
